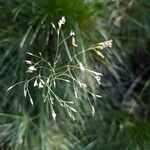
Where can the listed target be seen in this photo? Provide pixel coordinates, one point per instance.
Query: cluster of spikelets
(49, 81)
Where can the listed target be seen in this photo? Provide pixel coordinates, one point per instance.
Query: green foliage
(121, 119)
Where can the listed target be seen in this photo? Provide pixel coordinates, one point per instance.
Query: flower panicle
(105, 44)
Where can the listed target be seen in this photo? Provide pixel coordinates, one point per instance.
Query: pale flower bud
(40, 85)
(93, 110)
(28, 62)
(72, 33)
(53, 114)
(81, 66)
(35, 83)
(74, 42)
(53, 25)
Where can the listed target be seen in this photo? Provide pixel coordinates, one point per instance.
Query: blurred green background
(122, 116)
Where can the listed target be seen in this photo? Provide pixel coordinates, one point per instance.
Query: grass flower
(54, 114)
(29, 53)
(81, 66)
(75, 94)
(35, 83)
(100, 54)
(93, 110)
(95, 73)
(61, 21)
(83, 85)
(74, 42)
(106, 44)
(72, 33)
(98, 79)
(28, 62)
(31, 69)
(40, 85)
(53, 25)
